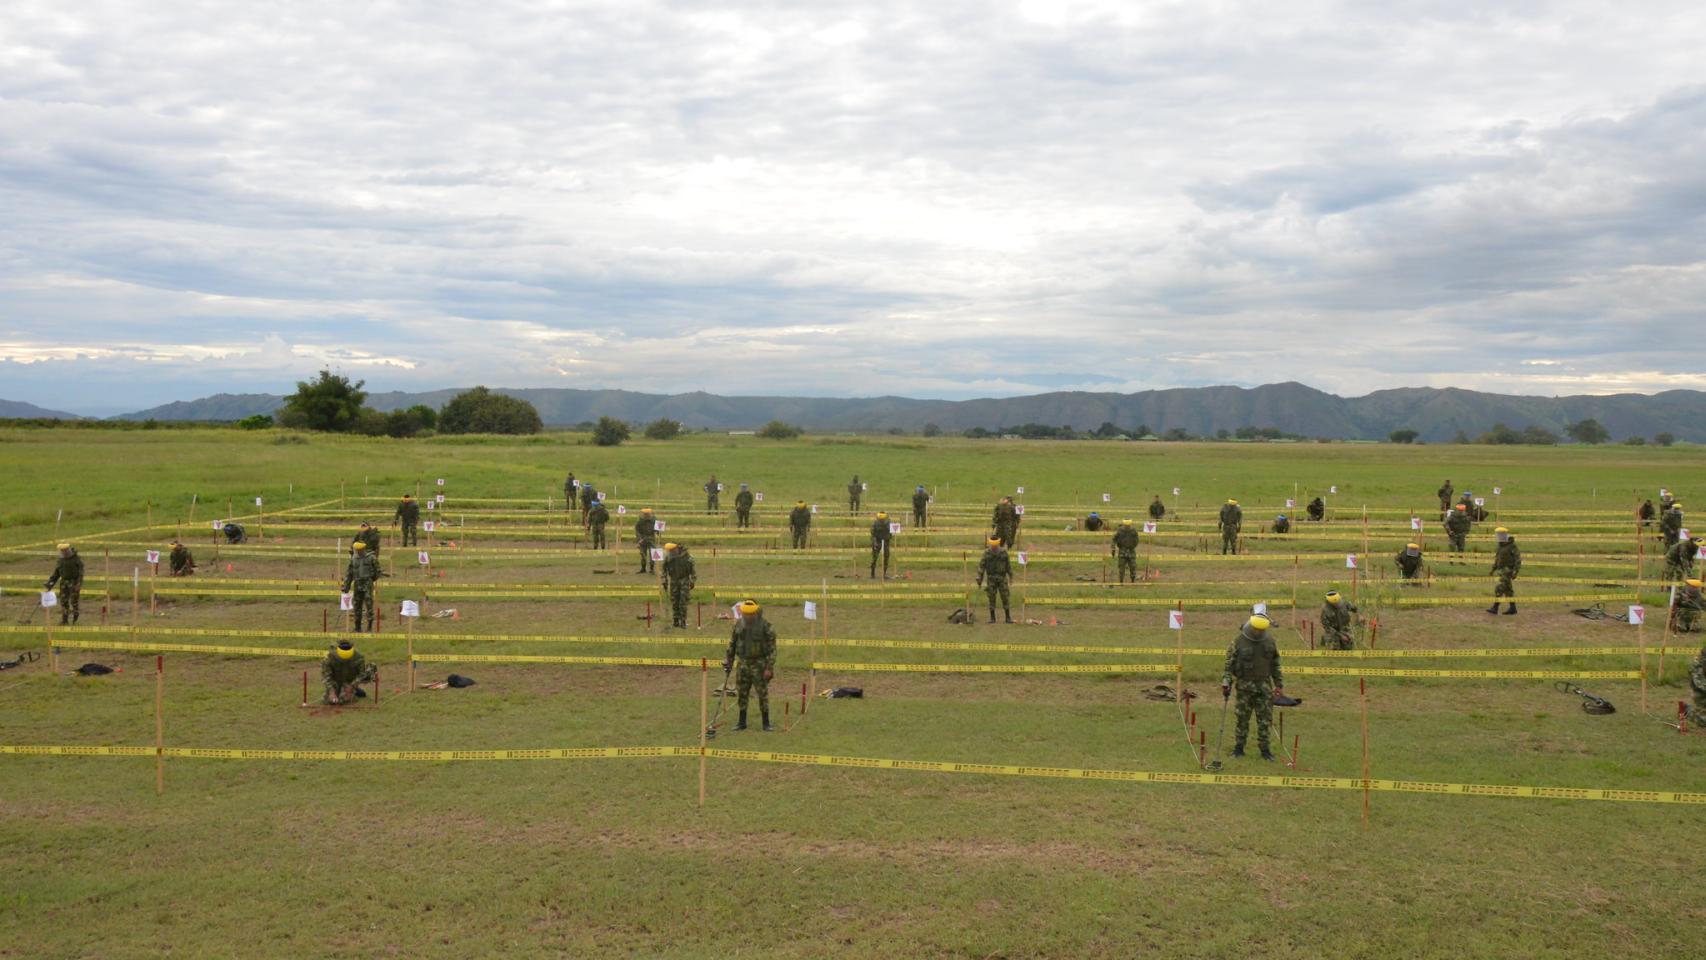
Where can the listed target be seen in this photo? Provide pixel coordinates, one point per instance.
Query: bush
(609, 432)
(1588, 431)
(1663, 439)
(1402, 436)
(1635, 441)
(481, 411)
(932, 430)
(259, 421)
(371, 423)
(778, 430)
(663, 429)
(410, 422)
(329, 402)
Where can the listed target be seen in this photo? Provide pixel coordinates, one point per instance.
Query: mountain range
(19, 410)
(1294, 408)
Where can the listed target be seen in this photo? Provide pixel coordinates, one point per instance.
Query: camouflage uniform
(1006, 522)
(679, 579)
(1253, 666)
(645, 534)
(589, 496)
(368, 535)
(1095, 524)
(340, 676)
(596, 520)
(409, 515)
(1124, 549)
(67, 582)
(1671, 526)
(855, 493)
(1679, 560)
(571, 488)
(1157, 509)
(920, 508)
(754, 642)
(880, 537)
(1336, 622)
(1408, 567)
(713, 491)
(1507, 563)
(1457, 524)
(1282, 524)
(358, 583)
(1646, 513)
(1317, 509)
(1445, 494)
(800, 525)
(183, 562)
(993, 573)
(1689, 606)
(1231, 521)
(1697, 681)
(743, 507)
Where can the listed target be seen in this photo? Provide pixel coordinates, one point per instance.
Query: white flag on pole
(811, 610)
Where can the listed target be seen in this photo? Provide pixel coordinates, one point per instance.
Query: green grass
(552, 858)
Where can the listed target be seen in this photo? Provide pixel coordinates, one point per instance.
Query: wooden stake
(1362, 683)
(1641, 640)
(135, 598)
(409, 631)
(107, 578)
(159, 724)
(153, 574)
(704, 718)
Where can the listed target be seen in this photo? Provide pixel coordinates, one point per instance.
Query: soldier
(183, 562)
(409, 514)
(1646, 513)
(855, 493)
(880, 537)
(1507, 563)
(589, 496)
(1671, 525)
(1124, 548)
(1317, 509)
(754, 642)
(645, 534)
(234, 532)
(1337, 614)
(1282, 524)
(713, 490)
(342, 671)
(1697, 681)
(1157, 509)
(67, 582)
(679, 578)
(1457, 524)
(800, 523)
(359, 578)
(367, 535)
(1231, 521)
(596, 520)
(1689, 604)
(1476, 512)
(1679, 559)
(743, 507)
(1409, 561)
(1666, 501)
(920, 508)
(1445, 491)
(571, 489)
(993, 573)
(1253, 662)
(1094, 522)
(1006, 522)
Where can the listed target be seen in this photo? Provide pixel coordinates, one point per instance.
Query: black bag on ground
(93, 670)
(842, 693)
(458, 681)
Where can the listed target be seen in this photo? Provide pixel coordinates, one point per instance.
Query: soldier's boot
(767, 727)
(1267, 754)
(1510, 608)
(992, 613)
(1494, 608)
(1008, 614)
(741, 723)
(1238, 749)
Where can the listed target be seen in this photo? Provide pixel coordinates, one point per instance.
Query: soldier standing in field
(409, 515)
(743, 507)
(589, 496)
(1253, 665)
(994, 572)
(800, 523)
(368, 535)
(855, 493)
(754, 642)
(571, 490)
(1507, 563)
(359, 578)
(1409, 561)
(1646, 513)
(596, 520)
(881, 535)
(1157, 509)
(342, 671)
(1671, 525)
(1679, 559)
(1445, 492)
(645, 534)
(920, 508)
(713, 490)
(183, 562)
(1124, 549)
(1336, 616)
(67, 583)
(679, 578)
(1006, 522)
(1457, 524)
(1231, 522)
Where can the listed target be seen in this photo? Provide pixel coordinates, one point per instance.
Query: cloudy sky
(932, 199)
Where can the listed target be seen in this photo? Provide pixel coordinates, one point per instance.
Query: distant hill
(1437, 415)
(19, 410)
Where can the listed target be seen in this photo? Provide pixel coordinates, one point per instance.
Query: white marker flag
(1333, 489)
(153, 556)
(439, 498)
(1259, 609)
(1175, 619)
(1021, 489)
(1415, 523)
(1350, 561)
(1498, 491)
(1019, 509)
(1290, 503)
(661, 526)
(814, 508)
(1149, 526)
(719, 488)
(599, 496)
(428, 525)
(49, 599)
(1023, 560)
(1637, 615)
(1480, 501)
(257, 501)
(894, 527)
(431, 505)
(423, 558)
(864, 486)
(218, 524)
(657, 554)
(811, 610)
(411, 608)
(1175, 491)
(621, 510)
(1107, 498)
(441, 482)
(346, 601)
(758, 497)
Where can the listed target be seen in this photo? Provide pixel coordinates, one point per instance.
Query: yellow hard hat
(993, 541)
(360, 545)
(1233, 502)
(882, 516)
(1700, 541)
(748, 607)
(65, 546)
(1125, 523)
(645, 509)
(1334, 598)
(1412, 546)
(799, 503)
(669, 547)
(1501, 530)
(346, 650)
(1259, 623)
(1694, 582)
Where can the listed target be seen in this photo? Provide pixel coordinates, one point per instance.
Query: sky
(940, 199)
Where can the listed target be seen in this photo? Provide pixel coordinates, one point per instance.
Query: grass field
(536, 858)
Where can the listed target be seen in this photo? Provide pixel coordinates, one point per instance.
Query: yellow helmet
(346, 650)
(1501, 530)
(881, 515)
(670, 547)
(645, 509)
(1700, 541)
(65, 546)
(1412, 546)
(799, 503)
(1125, 523)
(1233, 502)
(748, 607)
(1258, 623)
(1334, 598)
(993, 542)
(1695, 582)
(359, 545)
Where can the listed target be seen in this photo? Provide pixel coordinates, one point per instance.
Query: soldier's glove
(1225, 691)
(48, 585)
(769, 674)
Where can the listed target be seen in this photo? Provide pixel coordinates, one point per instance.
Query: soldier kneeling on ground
(343, 671)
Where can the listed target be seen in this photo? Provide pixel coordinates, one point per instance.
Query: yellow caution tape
(185, 648)
(528, 658)
(1166, 668)
(1151, 668)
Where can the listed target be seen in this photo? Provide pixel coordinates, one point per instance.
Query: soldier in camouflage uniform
(855, 493)
(1124, 549)
(645, 534)
(366, 535)
(359, 578)
(589, 496)
(1337, 614)
(920, 508)
(1094, 523)
(1006, 522)
(754, 642)
(1457, 524)
(1671, 525)
(596, 520)
(343, 669)
(571, 490)
(679, 578)
(1507, 563)
(409, 515)
(1646, 514)
(1445, 492)
(881, 535)
(1231, 521)
(1282, 524)
(1690, 604)
(1409, 561)
(67, 583)
(1679, 559)
(183, 562)
(713, 491)
(1253, 664)
(800, 523)
(993, 573)
(1317, 509)
(1157, 509)
(1697, 682)
(743, 507)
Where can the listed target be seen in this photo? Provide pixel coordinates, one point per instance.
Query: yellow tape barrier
(1166, 668)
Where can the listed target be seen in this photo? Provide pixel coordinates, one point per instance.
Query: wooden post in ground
(47, 630)
(1362, 683)
(106, 582)
(409, 631)
(159, 724)
(1641, 641)
(135, 598)
(704, 718)
(1296, 563)
(153, 575)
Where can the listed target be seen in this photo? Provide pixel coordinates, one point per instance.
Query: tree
(977, 433)
(259, 421)
(328, 402)
(1460, 438)
(426, 416)
(1402, 436)
(1539, 436)
(1500, 434)
(1108, 430)
(932, 430)
(1176, 433)
(1634, 441)
(1588, 431)
(663, 429)
(1663, 439)
(779, 430)
(410, 422)
(1142, 430)
(481, 411)
(609, 432)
